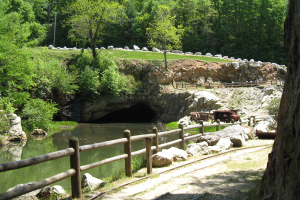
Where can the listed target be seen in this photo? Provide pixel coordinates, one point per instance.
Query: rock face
(281, 178)
(167, 103)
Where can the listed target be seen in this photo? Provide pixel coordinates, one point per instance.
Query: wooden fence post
(249, 121)
(148, 155)
(254, 121)
(219, 125)
(181, 136)
(75, 164)
(127, 150)
(240, 120)
(202, 127)
(155, 139)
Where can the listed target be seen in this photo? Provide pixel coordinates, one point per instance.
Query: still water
(87, 134)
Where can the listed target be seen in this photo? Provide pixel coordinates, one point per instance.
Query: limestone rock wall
(281, 178)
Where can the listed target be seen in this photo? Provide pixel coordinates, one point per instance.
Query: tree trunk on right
(281, 180)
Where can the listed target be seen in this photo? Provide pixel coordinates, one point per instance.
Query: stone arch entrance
(139, 113)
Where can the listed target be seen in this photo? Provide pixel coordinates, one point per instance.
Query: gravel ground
(236, 176)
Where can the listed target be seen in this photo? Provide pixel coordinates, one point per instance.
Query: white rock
(136, 48)
(224, 144)
(144, 49)
(196, 149)
(154, 49)
(90, 182)
(208, 55)
(161, 159)
(178, 154)
(110, 48)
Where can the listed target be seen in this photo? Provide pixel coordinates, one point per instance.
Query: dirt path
(236, 176)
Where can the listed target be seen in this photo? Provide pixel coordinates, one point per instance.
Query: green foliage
(162, 33)
(273, 107)
(138, 163)
(38, 114)
(89, 83)
(6, 109)
(89, 18)
(171, 126)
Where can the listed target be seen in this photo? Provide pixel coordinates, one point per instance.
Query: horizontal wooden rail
(169, 132)
(192, 127)
(139, 152)
(36, 185)
(102, 144)
(102, 162)
(169, 143)
(139, 137)
(193, 136)
(36, 160)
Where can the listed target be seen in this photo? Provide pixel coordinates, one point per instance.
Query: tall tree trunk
(165, 54)
(281, 180)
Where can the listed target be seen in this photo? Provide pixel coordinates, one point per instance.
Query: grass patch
(57, 126)
(158, 56)
(62, 54)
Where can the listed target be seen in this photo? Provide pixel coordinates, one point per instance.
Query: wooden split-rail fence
(74, 151)
(184, 85)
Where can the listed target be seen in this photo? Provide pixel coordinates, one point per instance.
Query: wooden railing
(184, 85)
(74, 153)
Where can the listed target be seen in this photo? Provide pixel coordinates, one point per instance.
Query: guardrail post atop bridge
(202, 127)
(127, 150)
(219, 125)
(75, 164)
(181, 136)
(148, 155)
(155, 139)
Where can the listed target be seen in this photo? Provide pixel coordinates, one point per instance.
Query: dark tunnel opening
(139, 113)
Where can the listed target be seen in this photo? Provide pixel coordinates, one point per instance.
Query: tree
(163, 33)
(90, 17)
(281, 177)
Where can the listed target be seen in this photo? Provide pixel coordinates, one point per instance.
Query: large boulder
(222, 145)
(210, 139)
(91, 183)
(38, 132)
(161, 159)
(15, 132)
(249, 131)
(197, 149)
(235, 133)
(178, 154)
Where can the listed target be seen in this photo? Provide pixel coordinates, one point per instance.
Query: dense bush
(38, 113)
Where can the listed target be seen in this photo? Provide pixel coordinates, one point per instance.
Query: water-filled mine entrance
(139, 113)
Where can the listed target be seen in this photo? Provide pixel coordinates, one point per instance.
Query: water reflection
(87, 134)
